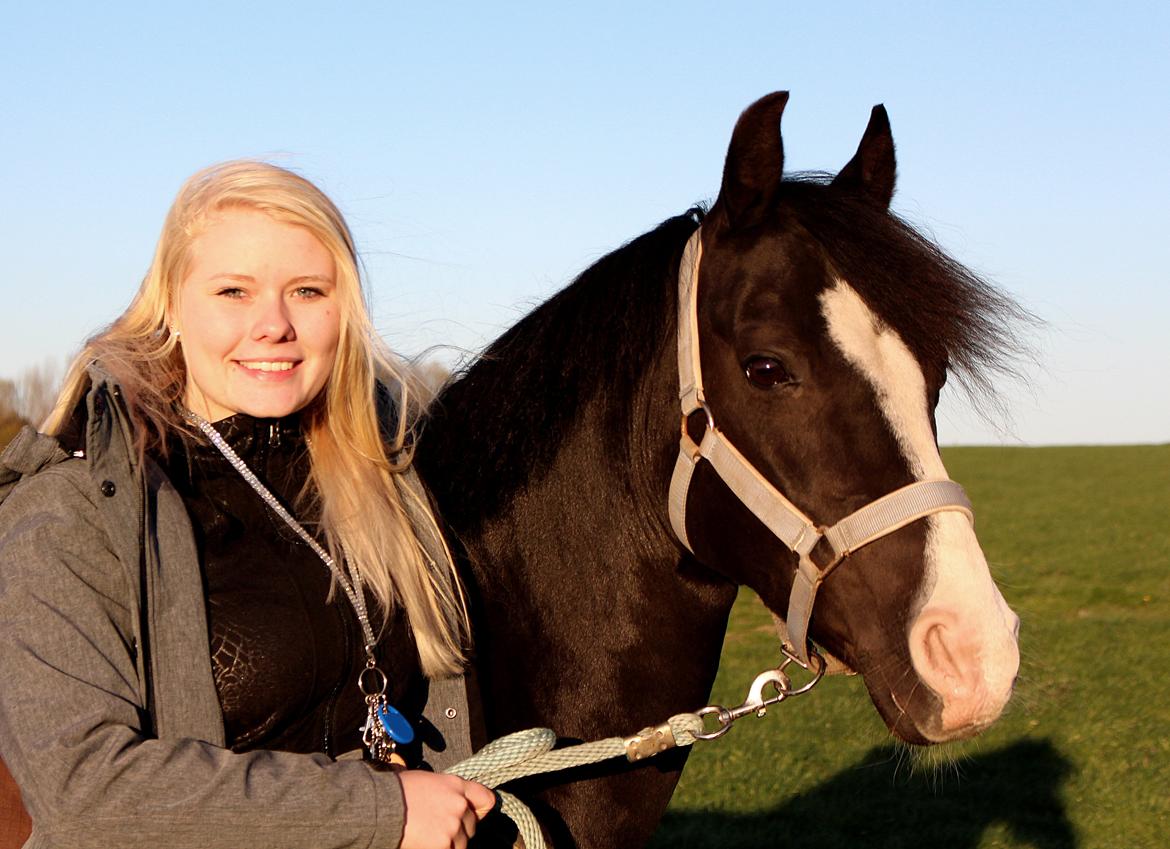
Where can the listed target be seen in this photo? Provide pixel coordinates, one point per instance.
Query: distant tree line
(28, 399)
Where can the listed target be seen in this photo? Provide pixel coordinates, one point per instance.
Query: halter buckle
(690, 446)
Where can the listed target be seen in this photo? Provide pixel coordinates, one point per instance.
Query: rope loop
(531, 752)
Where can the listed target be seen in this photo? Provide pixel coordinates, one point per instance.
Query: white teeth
(264, 365)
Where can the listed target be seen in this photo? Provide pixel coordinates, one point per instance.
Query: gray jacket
(109, 717)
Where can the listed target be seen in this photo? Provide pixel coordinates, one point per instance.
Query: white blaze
(959, 594)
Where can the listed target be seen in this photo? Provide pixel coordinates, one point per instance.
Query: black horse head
(828, 328)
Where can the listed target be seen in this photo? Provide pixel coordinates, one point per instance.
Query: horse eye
(766, 372)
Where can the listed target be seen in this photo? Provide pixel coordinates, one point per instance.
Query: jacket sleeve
(75, 733)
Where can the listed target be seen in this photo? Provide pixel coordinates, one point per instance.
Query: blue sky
(486, 153)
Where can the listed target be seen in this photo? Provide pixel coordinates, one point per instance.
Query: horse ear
(755, 161)
(872, 169)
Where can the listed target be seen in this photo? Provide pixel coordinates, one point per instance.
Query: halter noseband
(792, 527)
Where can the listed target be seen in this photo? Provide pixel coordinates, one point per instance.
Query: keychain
(385, 726)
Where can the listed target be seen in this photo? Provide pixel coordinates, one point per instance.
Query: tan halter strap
(787, 522)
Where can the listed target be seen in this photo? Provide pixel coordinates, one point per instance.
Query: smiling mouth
(266, 365)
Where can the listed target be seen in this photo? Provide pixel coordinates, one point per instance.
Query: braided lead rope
(531, 752)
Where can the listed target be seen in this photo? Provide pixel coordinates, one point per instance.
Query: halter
(792, 527)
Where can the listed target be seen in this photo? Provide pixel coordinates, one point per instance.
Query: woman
(228, 616)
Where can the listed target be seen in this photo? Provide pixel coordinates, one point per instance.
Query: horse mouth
(923, 717)
(931, 730)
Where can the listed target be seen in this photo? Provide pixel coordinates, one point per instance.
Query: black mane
(606, 326)
(595, 337)
(944, 312)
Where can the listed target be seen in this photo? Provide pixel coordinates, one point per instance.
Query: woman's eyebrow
(247, 278)
(312, 278)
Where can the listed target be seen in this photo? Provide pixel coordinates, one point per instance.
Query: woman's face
(258, 317)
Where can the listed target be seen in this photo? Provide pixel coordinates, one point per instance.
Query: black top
(285, 659)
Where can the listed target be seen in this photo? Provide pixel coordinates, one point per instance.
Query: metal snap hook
(758, 700)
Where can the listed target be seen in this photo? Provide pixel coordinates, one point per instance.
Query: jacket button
(451, 713)
(108, 489)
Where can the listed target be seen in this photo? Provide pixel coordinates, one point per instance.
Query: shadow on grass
(882, 802)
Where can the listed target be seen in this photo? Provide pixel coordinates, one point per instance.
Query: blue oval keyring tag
(397, 726)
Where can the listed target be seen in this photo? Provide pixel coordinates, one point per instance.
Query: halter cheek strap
(787, 522)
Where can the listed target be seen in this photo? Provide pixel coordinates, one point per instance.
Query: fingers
(480, 798)
(470, 821)
(442, 811)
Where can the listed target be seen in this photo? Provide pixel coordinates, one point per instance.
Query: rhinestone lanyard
(385, 726)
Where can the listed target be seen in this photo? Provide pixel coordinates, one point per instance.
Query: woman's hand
(442, 811)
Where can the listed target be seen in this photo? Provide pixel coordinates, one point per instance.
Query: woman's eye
(309, 292)
(231, 292)
(766, 372)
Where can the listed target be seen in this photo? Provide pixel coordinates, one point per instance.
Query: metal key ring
(368, 691)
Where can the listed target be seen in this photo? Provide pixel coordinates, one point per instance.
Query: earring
(175, 332)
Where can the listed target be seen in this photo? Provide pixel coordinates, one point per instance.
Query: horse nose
(944, 659)
(972, 669)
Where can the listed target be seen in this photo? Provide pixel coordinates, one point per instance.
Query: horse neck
(568, 548)
(583, 565)
(595, 504)
(574, 402)
(606, 483)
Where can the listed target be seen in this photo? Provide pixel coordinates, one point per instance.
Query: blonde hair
(358, 482)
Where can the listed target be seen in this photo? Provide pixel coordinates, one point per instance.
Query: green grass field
(1079, 540)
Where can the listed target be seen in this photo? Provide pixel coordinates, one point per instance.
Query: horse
(601, 536)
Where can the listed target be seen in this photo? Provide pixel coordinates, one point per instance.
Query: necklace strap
(385, 726)
(351, 584)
